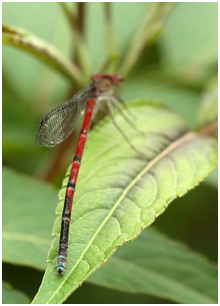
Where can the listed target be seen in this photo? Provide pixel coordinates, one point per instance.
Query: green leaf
(11, 296)
(37, 90)
(151, 265)
(92, 294)
(191, 44)
(149, 29)
(48, 54)
(119, 272)
(212, 179)
(122, 27)
(183, 100)
(21, 209)
(119, 193)
(208, 111)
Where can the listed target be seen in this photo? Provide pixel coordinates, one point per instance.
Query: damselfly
(59, 123)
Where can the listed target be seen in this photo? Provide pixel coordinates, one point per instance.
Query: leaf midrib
(170, 148)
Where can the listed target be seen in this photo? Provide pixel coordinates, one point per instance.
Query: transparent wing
(59, 123)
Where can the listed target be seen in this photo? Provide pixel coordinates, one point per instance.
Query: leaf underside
(12, 296)
(119, 192)
(208, 111)
(151, 265)
(25, 242)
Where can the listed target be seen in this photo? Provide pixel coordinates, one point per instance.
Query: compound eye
(118, 79)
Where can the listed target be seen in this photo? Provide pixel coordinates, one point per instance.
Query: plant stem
(81, 49)
(110, 64)
(77, 25)
(149, 29)
(59, 157)
(113, 54)
(70, 15)
(48, 54)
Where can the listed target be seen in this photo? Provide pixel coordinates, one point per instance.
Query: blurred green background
(175, 70)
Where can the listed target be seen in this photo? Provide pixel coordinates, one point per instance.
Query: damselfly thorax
(59, 123)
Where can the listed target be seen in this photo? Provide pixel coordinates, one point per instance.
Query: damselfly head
(117, 79)
(105, 82)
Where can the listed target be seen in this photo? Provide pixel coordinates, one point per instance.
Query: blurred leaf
(208, 110)
(193, 219)
(91, 294)
(183, 100)
(145, 35)
(11, 296)
(151, 265)
(169, 77)
(123, 193)
(122, 27)
(212, 179)
(24, 279)
(21, 209)
(77, 22)
(187, 51)
(28, 280)
(44, 85)
(68, 12)
(180, 43)
(48, 54)
(207, 113)
(19, 127)
(190, 37)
